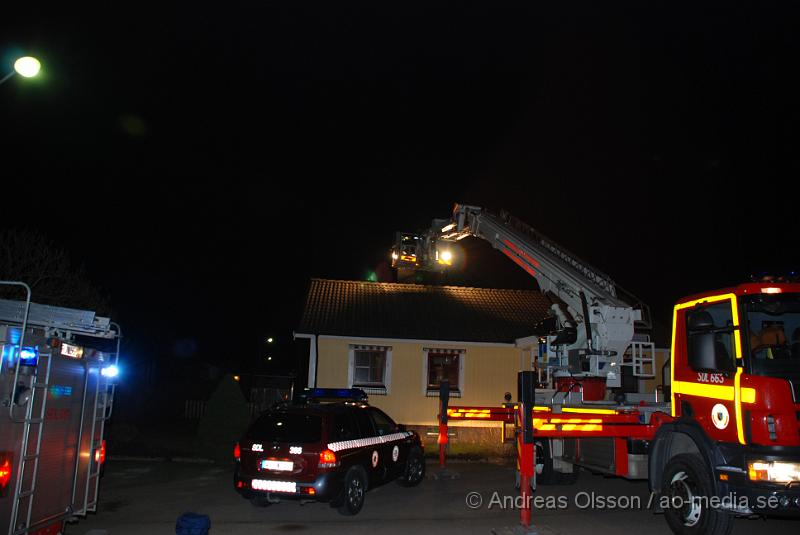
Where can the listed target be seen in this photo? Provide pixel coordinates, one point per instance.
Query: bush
(226, 418)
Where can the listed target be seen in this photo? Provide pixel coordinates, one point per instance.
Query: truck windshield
(773, 323)
(286, 427)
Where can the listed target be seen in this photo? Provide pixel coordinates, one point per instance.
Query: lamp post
(26, 66)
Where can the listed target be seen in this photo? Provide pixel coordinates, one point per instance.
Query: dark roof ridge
(412, 285)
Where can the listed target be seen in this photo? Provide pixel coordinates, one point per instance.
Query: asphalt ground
(147, 497)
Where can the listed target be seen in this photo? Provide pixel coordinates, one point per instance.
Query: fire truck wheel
(687, 485)
(414, 471)
(545, 475)
(355, 486)
(569, 478)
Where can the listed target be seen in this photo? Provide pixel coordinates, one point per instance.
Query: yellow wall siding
(332, 361)
(489, 372)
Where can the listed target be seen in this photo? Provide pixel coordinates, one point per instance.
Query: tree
(226, 419)
(29, 256)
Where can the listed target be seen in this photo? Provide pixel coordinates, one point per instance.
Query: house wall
(489, 372)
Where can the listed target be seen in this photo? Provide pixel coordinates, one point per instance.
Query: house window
(369, 368)
(441, 364)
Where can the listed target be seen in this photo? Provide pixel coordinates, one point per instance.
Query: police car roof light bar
(354, 394)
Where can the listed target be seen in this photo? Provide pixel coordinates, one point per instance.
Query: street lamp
(26, 66)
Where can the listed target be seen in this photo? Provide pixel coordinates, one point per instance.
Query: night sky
(203, 161)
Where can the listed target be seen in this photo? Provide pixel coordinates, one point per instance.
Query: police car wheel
(414, 471)
(260, 501)
(355, 486)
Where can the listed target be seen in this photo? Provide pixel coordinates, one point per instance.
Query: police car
(326, 445)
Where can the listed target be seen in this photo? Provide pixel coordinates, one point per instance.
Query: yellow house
(398, 341)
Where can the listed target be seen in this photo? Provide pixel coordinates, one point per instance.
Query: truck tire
(545, 475)
(569, 478)
(687, 484)
(355, 487)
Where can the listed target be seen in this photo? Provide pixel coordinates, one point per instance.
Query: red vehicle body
(728, 441)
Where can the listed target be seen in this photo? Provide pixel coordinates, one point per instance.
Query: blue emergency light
(333, 393)
(111, 371)
(28, 356)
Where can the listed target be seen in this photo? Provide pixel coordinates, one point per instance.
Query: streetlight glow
(27, 66)
(269, 340)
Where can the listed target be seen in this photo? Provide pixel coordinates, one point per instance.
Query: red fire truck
(722, 439)
(57, 374)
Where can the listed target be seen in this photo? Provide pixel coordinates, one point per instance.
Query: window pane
(721, 315)
(378, 365)
(286, 427)
(369, 367)
(365, 427)
(344, 428)
(361, 375)
(383, 424)
(443, 366)
(774, 332)
(362, 358)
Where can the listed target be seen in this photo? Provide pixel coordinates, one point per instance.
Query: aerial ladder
(724, 441)
(593, 328)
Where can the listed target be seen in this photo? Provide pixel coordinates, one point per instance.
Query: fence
(194, 409)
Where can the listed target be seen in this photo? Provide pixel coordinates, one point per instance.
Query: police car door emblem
(395, 453)
(374, 459)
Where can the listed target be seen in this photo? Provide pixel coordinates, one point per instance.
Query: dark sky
(203, 160)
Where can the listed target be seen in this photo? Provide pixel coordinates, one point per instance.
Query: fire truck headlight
(447, 256)
(110, 372)
(774, 471)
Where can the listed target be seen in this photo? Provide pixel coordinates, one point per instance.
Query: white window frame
(385, 389)
(462, 354)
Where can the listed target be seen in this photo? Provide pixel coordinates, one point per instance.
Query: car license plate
(274, 486)
(281, 466)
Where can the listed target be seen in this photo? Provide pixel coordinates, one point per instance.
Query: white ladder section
(641, 356)
(33, 420)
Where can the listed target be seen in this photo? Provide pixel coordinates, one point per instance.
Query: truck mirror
(706, 352)
(702, 354)
(700, 321)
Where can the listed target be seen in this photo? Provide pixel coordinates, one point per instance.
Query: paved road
(147, 497)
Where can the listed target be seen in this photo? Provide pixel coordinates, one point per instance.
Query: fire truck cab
(735, 402)
(57, 375)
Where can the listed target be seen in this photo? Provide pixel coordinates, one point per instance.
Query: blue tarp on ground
(192, 524)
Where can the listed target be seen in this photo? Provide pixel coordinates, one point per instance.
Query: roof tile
(414, 311)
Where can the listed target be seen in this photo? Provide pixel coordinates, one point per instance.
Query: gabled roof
(414, 311)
